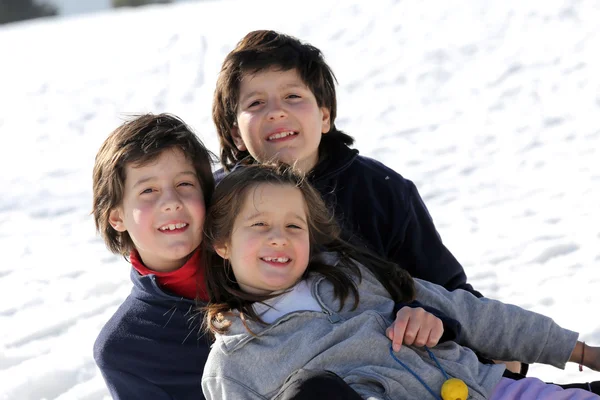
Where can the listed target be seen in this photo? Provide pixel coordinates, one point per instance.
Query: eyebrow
(260, 214)
(150, 178)
(292, 85)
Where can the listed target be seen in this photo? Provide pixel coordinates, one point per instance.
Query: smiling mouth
(173, 227)
(281, 135)
(276, 260)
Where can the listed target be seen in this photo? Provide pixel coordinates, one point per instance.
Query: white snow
(491, 108)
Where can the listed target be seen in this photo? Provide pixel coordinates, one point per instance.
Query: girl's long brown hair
(324, 235)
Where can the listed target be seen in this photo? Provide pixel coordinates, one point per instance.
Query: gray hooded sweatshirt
(352, 344)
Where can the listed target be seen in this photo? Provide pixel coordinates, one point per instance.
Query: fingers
(437, 330)
(398, 329)
(415, 326)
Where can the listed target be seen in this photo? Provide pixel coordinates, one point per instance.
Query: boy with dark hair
(152, 182)
(275, 99)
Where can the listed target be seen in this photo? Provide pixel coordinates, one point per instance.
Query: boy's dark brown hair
(259, 51)
(324, 235)
(139, 142)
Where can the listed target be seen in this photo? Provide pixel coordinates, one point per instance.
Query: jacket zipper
(333, 317)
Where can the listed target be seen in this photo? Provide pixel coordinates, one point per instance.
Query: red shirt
(187, 281)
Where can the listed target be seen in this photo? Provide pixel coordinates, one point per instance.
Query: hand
(415, 326)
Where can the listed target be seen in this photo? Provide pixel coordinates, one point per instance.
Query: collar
(334, 157)
(187, 281)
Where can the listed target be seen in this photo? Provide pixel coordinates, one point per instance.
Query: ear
(325, 120)
(237, 139)
(115, 219)
(222, 250)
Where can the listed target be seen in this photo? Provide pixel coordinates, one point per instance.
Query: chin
(182, 252)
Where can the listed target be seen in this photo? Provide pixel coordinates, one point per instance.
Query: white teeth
(172, 227)
(277, 259)
(280, 135)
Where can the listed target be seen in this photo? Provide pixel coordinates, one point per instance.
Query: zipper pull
(333, 317)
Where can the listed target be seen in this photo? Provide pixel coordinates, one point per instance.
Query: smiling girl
(280, 304)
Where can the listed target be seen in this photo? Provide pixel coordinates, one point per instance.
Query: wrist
(578, 352)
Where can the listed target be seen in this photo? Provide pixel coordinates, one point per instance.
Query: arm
(125, 386)
(501, 331)
(420, 250)
(588, 356)
(149, 349)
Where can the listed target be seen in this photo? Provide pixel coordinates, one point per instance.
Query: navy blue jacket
(377, 206)
(151, 348)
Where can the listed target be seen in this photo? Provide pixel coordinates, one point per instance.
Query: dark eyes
(254, 103)
(182, 184)
(259, 102)
(262, 224)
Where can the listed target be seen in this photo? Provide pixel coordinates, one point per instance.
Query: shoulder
(139, 345)
(380, 182)
(150, 326)
(372, 168)
(115, 333)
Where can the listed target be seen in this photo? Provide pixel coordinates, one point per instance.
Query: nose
(277, 238)
(171, 201)
(276, 110)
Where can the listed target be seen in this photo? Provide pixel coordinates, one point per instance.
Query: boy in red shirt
(152, 183)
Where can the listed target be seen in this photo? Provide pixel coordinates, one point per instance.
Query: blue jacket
(377, 207)
(151, 348)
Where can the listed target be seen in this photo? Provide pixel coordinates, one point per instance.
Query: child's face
(162, 210)
(278, 118)
(269, 246)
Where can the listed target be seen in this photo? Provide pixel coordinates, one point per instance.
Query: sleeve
(452, 328)
(222, 388)
(125, 386)
(501, 331)
(420, 249)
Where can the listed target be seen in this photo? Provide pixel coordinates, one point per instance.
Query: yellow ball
(454, 389)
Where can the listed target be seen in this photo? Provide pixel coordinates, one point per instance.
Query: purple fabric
(534, 389)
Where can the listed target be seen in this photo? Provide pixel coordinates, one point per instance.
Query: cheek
(303, 246)
(141, 214)
(309, 110)
(200, 212)
(246, 246)
(247, 125)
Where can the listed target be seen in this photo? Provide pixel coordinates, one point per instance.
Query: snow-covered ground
(491, 108)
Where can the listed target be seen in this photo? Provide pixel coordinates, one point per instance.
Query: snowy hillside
(491, 108)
